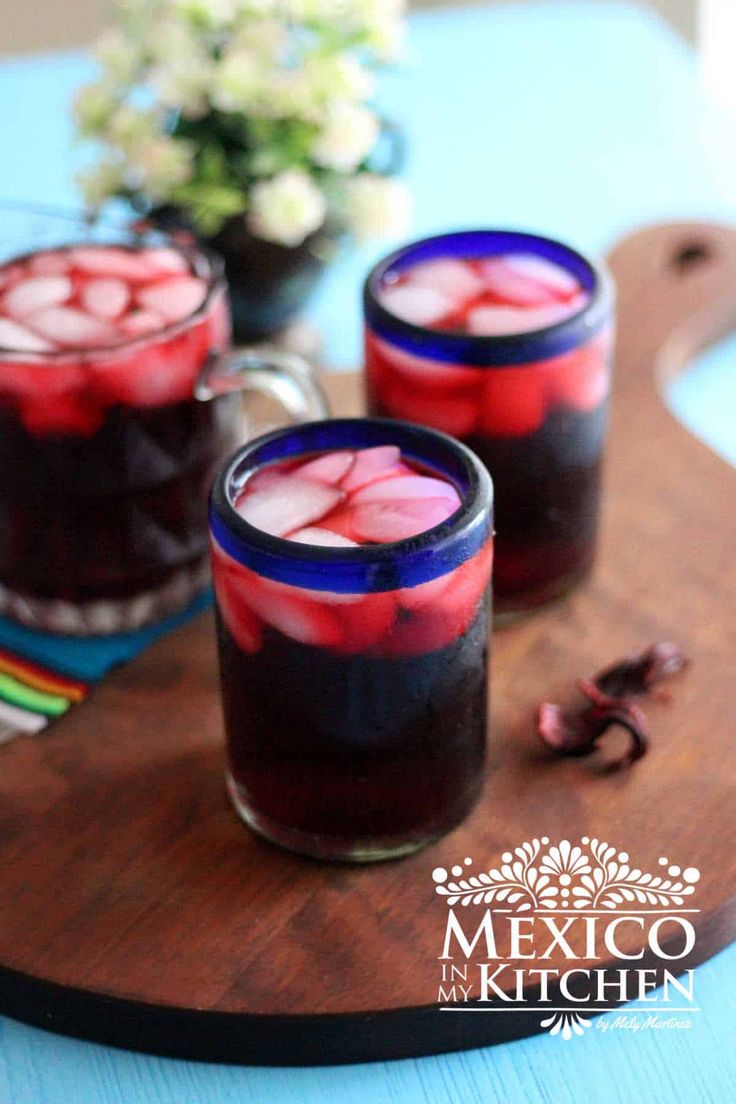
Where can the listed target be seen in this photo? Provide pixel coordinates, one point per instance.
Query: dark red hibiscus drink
(106, 455)
(503, 339)
(351, 562)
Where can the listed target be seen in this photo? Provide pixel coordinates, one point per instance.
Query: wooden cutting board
(136, 910)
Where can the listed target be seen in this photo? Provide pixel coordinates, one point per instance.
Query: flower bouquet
(249, 122)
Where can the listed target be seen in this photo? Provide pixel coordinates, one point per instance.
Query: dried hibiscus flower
(571, 732)
(639, 672)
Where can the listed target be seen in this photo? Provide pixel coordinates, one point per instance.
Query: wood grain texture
(135, 908)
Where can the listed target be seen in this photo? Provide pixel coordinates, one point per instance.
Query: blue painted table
(576, 119)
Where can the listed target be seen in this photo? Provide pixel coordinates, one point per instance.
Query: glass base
(103, 617)
(331, 848)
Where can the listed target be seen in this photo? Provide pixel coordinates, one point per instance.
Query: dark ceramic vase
(269, 283)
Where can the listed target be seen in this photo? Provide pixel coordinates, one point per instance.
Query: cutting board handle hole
(689, 256)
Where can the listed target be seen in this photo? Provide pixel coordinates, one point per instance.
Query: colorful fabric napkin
(42, 676)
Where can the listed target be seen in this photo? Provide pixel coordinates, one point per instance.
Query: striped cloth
(43, 675)
(31, 695)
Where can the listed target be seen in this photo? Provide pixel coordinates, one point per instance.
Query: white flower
(100, 182)
(119, 55)
(265, 36)
(337, 77)
(239, 80)
(94, 106)
(129, 128)
(184, 85)
(384, 24)
(160, 163)
(377, 206)
(349, 135)
(287, 208)
(172, 41)
(213, 13)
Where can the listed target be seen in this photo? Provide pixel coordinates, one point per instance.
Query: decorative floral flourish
(590, 875)
(565, 1023)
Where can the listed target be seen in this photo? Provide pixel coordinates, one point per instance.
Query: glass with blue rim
(532, 403)
(354, 679)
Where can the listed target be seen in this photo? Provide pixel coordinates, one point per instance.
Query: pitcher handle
(284, 376)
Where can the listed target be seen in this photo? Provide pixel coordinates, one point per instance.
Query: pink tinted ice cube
(514, 287)
(105, 298)
(124, 264)
(500, 321)
(288, 504)
(388, 521)
(372, 464)
(455, 278)
(138, 323)
(408, 487)
(330, 468)
(15, 336)
(422, 306)
(324, 538)
(554, 277)
(34, 293)
(175, 298)
(72, 328)
(49, 264)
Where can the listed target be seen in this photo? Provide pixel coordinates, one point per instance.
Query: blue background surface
(577, 119)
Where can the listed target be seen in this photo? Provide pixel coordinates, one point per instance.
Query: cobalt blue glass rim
(495, 351)
(370, 568)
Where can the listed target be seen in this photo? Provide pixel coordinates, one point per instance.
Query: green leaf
(209, 205)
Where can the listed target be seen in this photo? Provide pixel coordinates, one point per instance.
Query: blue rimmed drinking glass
(532, 404)
(354, 680)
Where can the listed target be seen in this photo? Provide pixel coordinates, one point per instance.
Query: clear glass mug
(107, 452)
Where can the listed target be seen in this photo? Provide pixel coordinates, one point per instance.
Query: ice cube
(243, 624)
(372, 464)
(17, 337)
(382, 522)
(175, 298)
(513, 286)
(36, 292)
(105, 298)
(140, 322)
(500, 321)
(419, 597)
(49, 264)
(455, 414)
(166, 260)
(72, 328)
(288, 504)
(580, 378)
(455, 278)
(11, 274)
(303, 620)
(422, 306)
(513, 403)
(422, 371)
(324, 538)
(329, 468)
(552, 276)
(408, 487)
(367, 622)
(124, 264)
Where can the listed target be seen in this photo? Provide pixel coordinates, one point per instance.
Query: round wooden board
(136, 910)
